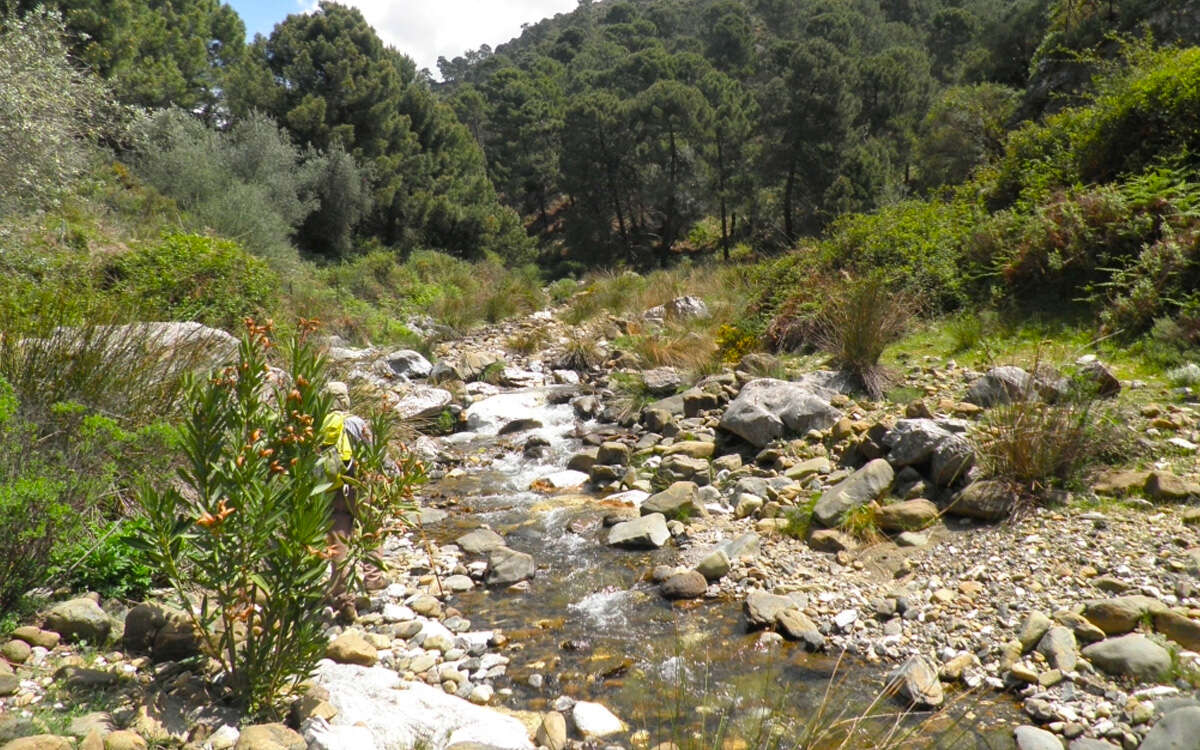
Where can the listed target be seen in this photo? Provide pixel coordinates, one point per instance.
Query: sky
(421, 29)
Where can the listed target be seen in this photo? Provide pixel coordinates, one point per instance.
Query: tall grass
(858, 322)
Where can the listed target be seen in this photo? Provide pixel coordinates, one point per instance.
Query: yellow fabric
(333, 433)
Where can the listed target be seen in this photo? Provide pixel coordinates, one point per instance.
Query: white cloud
(424, 30)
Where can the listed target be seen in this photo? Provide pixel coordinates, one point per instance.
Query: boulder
(613, 453)
(1058, 646)
(584, 460)
(909, 515)
(1176, 730)
(507, 566)
(647, 532)
(80, 620)
(767, 409)
(917, 680)
(688, 584)
(421, 402)
(552, 732)
(1130, 655)
(1167, 487)
(868, 484)
(519, 425)
(986, 500)
(412, 714)
(409, 363)
(697, 401)
(762, 609)
(1033, 738)
(677, 501)
(125, 739)
(1098, 378)
(698, 449)
(1121, 614)
(479, 541)
(681, 468)
(1001, 385)
(1183, 630)
(662, 381)
(40, 742)
(795, 625)
(685, 308)
(47, 639)
(595, 721)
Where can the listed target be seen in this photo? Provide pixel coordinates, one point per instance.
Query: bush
(191, 277)
(1035, 445)
(857, 324)
(249, 537)
(108, 560)
(51, 113)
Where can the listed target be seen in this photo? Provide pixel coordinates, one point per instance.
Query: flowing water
(592, 627)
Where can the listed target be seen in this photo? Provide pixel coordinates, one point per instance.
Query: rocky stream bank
(572, 552)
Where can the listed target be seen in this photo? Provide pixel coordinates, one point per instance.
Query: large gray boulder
(768, 409)
(507, 566)
(1001, 385)
(987, 500)
(685, 308)
(937, 444)
(421, 402)
(1177, 730)
(869, 483)
(662, 381)
(80, 620)
(409, 363)
(647, 532)
(677, 501)
(1130, 655)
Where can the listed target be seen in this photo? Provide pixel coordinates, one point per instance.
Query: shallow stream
(592, 627)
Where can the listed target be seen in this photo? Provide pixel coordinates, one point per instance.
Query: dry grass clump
(581, 352)
(859, 320)
(529, 340)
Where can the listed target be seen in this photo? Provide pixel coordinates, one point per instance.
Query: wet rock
(909, 515)
(1121, 614)
(677, 501)
(270, 737)
(409, 363)
(351, 648)
(647, 532)
(917, 680)
(795, 625)
(1177, 730)
(1033, 738)
(595, 721)
(80, 620)
(688, 584)
(1130, 655)
(768, 409)
(584, 460)
(986, 500)
(480, 541)
(519, 425)
(762, 609)
(507, 566)
(869, 483)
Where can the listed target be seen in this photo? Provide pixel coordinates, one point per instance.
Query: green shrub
(250, 534)
(191, 277)
(108, 560)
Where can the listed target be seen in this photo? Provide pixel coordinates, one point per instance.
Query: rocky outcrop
(768, 409)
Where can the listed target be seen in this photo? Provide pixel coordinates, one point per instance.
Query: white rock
(561, 480)
(321, 735)
(402, 715)
(223, 739)
(594, 720)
